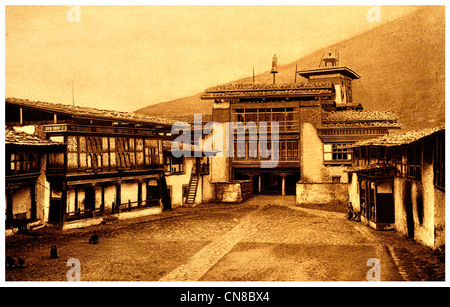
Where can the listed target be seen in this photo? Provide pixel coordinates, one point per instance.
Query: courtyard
(266, 238)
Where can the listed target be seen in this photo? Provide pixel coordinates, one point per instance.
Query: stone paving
(266, 238)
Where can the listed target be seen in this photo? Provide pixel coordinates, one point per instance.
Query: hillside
(401, 63)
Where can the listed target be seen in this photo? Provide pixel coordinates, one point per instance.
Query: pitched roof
(369, 167)
(267, 90)
(167, 146)
(22, 138)
(399, 139)
(187, 118)
(91, 113)
(354, 116)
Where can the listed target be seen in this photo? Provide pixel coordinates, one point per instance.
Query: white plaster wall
(312, 154)
(42, 192)
(110, 195)
(176, 182)
(353, 193)
(21, 199)
(129, 191)
(220, 163)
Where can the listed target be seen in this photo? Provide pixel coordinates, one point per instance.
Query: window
(139, 152)
(173, 165)
(399, 161)
(22, 162)
(151, 152)
(336, 179)
(337, 153)
(413, 163)
(286, 117)
(292, 149)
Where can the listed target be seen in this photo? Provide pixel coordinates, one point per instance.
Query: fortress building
(317, 118)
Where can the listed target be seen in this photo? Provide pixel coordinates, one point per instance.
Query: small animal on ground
(93, 239)
(10, 262)
(53, 252)
(21, 262)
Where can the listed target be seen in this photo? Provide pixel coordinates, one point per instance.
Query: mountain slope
(401, 63)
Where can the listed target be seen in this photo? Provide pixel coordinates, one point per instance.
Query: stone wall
(233, 192)
(322, 193)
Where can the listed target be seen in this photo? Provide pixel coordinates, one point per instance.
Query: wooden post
(283, 184)
(102, 205)
(259, 183)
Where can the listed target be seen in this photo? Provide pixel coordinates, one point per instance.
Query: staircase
(192, 189)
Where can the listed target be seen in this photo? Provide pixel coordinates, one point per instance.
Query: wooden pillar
(94, 198)
(33, 201)
(139, 200)
(102, 205)
(63, 202)
(283, 184)
(118, 196)
(21, 116)
(76, 198)
(259, 183)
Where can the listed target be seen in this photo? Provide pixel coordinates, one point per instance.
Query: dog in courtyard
(93, 239)
(53, 252)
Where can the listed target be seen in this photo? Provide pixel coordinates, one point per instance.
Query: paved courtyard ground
(266, 238)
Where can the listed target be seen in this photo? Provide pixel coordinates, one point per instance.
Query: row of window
(408, 161)
(287, 118)
(286, 149)
(23, 162)
(94, 152)
(352, 131)
(337, 152)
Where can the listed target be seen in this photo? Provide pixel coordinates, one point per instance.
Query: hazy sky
(127, 57)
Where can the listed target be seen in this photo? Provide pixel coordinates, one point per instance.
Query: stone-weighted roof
(267, 90)
(22, 138)
(358, 116)
(399, 139)
(90, 113)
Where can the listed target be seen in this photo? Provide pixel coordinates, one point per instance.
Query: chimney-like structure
(274, 69)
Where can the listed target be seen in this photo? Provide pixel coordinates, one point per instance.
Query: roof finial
(274, 69)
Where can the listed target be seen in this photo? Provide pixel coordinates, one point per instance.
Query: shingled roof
(358, 116)
(85, 112)
(399, 139)
(22, 138)
(267, 90)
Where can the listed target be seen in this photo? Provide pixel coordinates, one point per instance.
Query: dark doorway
(255, 184)
(271, 184)
(89, 200)
(154, 193)
(55, 210)
(291, 183)
(165, 194)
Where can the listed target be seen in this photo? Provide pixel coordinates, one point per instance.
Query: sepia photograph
(255, 142)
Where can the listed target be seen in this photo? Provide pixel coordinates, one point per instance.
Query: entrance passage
(280, 182)
(270, 184)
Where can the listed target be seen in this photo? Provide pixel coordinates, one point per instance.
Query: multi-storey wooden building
(317, 119)
(25, 161)
(398, 181)
(112, 161)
